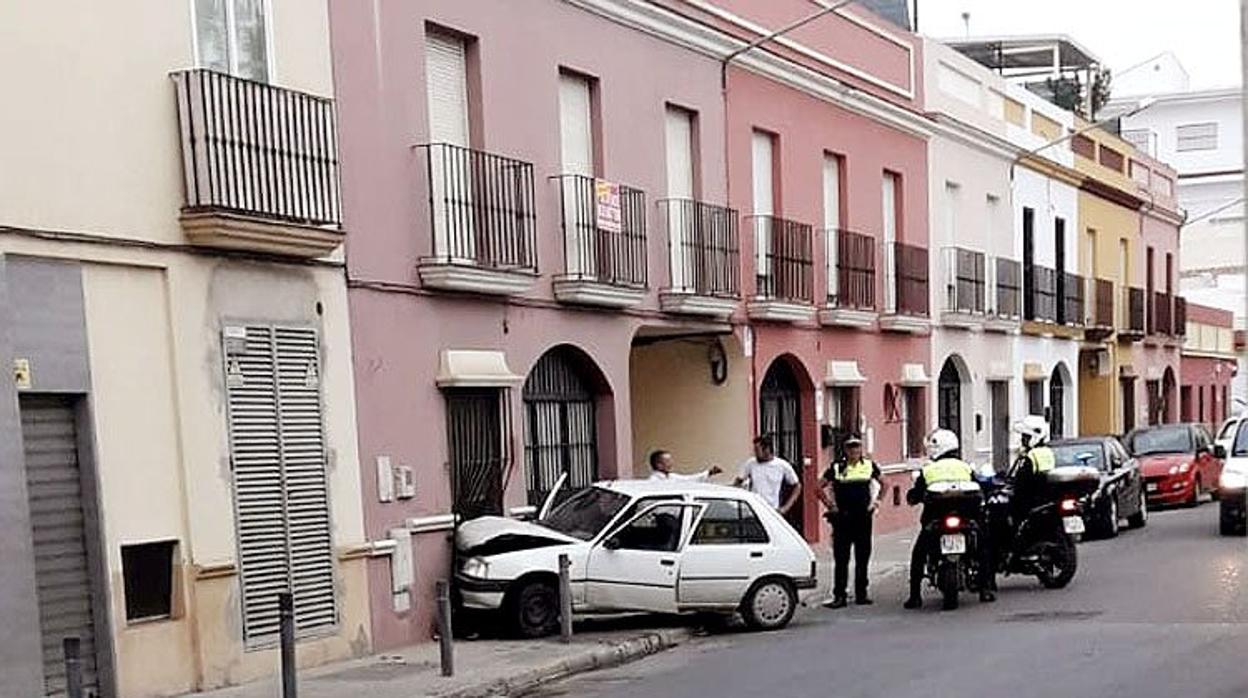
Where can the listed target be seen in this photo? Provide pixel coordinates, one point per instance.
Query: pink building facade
(1208, 365)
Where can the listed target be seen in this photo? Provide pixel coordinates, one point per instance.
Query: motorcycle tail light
(1069, 505)
(953, 522)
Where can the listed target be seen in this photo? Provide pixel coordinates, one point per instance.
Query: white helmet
(1034, 430)
(941, 443)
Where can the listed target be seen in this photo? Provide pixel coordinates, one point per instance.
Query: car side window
(657, 530)
(729, 522)
(1202, 439)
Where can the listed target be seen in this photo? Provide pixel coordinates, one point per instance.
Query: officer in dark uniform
(854, 482)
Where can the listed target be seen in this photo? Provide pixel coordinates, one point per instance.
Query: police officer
(1033, 464)
(943, 465)
(854, 482)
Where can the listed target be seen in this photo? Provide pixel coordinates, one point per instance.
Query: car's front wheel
(769, 604)
(532, 608)
(1231, 520)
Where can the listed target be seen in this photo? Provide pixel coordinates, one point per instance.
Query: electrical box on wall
(385, 479)
(404, 482)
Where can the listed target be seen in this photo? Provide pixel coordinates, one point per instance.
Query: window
(231, 36)
(1200, 403)
(1035, 397)
(833, 167)
(1203, 136)
(891, 197)
(729, 522)
(1083, 146)
(147, 573)
(843, 413)
(576, 123)
(560, 425)
(1140, 173)
(657, 530)
(913, 427)
(277, 454)
(475, 429)
(763, 147)
(1111, 158)
(446, 86)
(1141, 138)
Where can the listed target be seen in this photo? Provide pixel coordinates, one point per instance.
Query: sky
(1204, 34)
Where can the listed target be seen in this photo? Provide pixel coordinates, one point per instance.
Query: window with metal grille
(1197, 136)
(476, 425)
(560, 426)
(281, 498)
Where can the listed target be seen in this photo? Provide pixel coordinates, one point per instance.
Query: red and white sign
(607, 206)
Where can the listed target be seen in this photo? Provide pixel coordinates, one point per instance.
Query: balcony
(1180, 316)
(260, 166)
(851, 280)
(1131, 317)
(604, 243)
(1100, 322)
(1162, 314)
(481, 214)
(784, 287)
(906, 300)
(1070, 288)
(704, 260)
(1007, 285)
(1040, 297)
(965, 302)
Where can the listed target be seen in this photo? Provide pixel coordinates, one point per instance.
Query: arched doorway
(1169, 412)
(949, 393)
(780, 415)
(1059, 382)
(560, 423)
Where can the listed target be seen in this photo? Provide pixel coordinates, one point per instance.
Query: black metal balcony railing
(851, 282)
(965, 281)
(704, 248)
(1180, 316)
(1009, 290)
(257, 150)
(608, 254)
(481, 208)
(1040, 294)
(1162, 313)
(1133, 320)
(907, 271)
(1101, 303)
(1072, 287)
(783, 259)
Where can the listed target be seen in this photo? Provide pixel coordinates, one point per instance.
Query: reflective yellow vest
(948, 470)
(1042, 459)
(855, 472)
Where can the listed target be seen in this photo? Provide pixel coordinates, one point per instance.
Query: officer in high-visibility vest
(1034, 462)
(943, 465)
(855, 487)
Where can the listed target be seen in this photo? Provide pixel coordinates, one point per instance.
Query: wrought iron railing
(703, 247)
(965, 281)
(481, 208)
(1180, 316)
(258, 150)
(1101, 303)
(783, 266)
(1133, 318)
(851, 270)
(1009, 288)
(1040, 294)
(604, 231)
(906, 270)
(1162, 313)
(1071, 310)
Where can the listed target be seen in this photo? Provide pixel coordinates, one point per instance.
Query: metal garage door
(58, 523)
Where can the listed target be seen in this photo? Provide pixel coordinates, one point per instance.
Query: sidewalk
(507, 667)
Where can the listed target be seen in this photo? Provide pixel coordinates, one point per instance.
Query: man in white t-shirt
(661, 466)
(766, 474)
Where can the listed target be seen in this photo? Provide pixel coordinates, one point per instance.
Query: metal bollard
(73, 667)
(565, 599)
(286, 618)
(445, 640)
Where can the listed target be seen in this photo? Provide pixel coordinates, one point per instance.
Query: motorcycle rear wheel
(1057, 561)
(947, 582)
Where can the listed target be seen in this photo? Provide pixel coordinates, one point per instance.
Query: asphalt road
(1158, 612)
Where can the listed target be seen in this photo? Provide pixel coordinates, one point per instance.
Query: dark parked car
(1121, 494)
(1180, 462)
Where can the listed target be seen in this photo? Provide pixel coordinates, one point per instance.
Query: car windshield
(1087, 454)
(1174, 439)
(1228, 429)
(584, 514)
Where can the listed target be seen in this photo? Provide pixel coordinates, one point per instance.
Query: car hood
(491, 535)
(1159, 464)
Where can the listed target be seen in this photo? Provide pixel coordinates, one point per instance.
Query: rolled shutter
(446, 79)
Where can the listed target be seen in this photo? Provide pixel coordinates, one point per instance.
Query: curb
(601, 656)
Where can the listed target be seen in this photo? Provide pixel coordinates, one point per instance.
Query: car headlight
(475, 567)
(1185, 467)
(1233, 480)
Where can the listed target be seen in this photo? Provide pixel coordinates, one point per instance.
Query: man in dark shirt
(854, 498)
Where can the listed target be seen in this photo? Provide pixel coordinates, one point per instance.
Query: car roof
(1082, 440)
(641, 488)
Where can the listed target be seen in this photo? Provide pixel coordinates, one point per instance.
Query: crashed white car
(638, 545)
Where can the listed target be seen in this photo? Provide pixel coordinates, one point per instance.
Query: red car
(1179, 462)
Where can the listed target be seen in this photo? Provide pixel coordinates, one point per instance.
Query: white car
(638, 545)
(1233, 482)
(1226, 433)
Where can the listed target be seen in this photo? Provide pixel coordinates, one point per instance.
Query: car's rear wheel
(769, 604)
(1230, 521)
(1140, 518)
(532, 608)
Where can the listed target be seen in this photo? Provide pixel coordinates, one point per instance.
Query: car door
(636, 565)
(1128, 474)
(728, 550)
(1213, 464)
